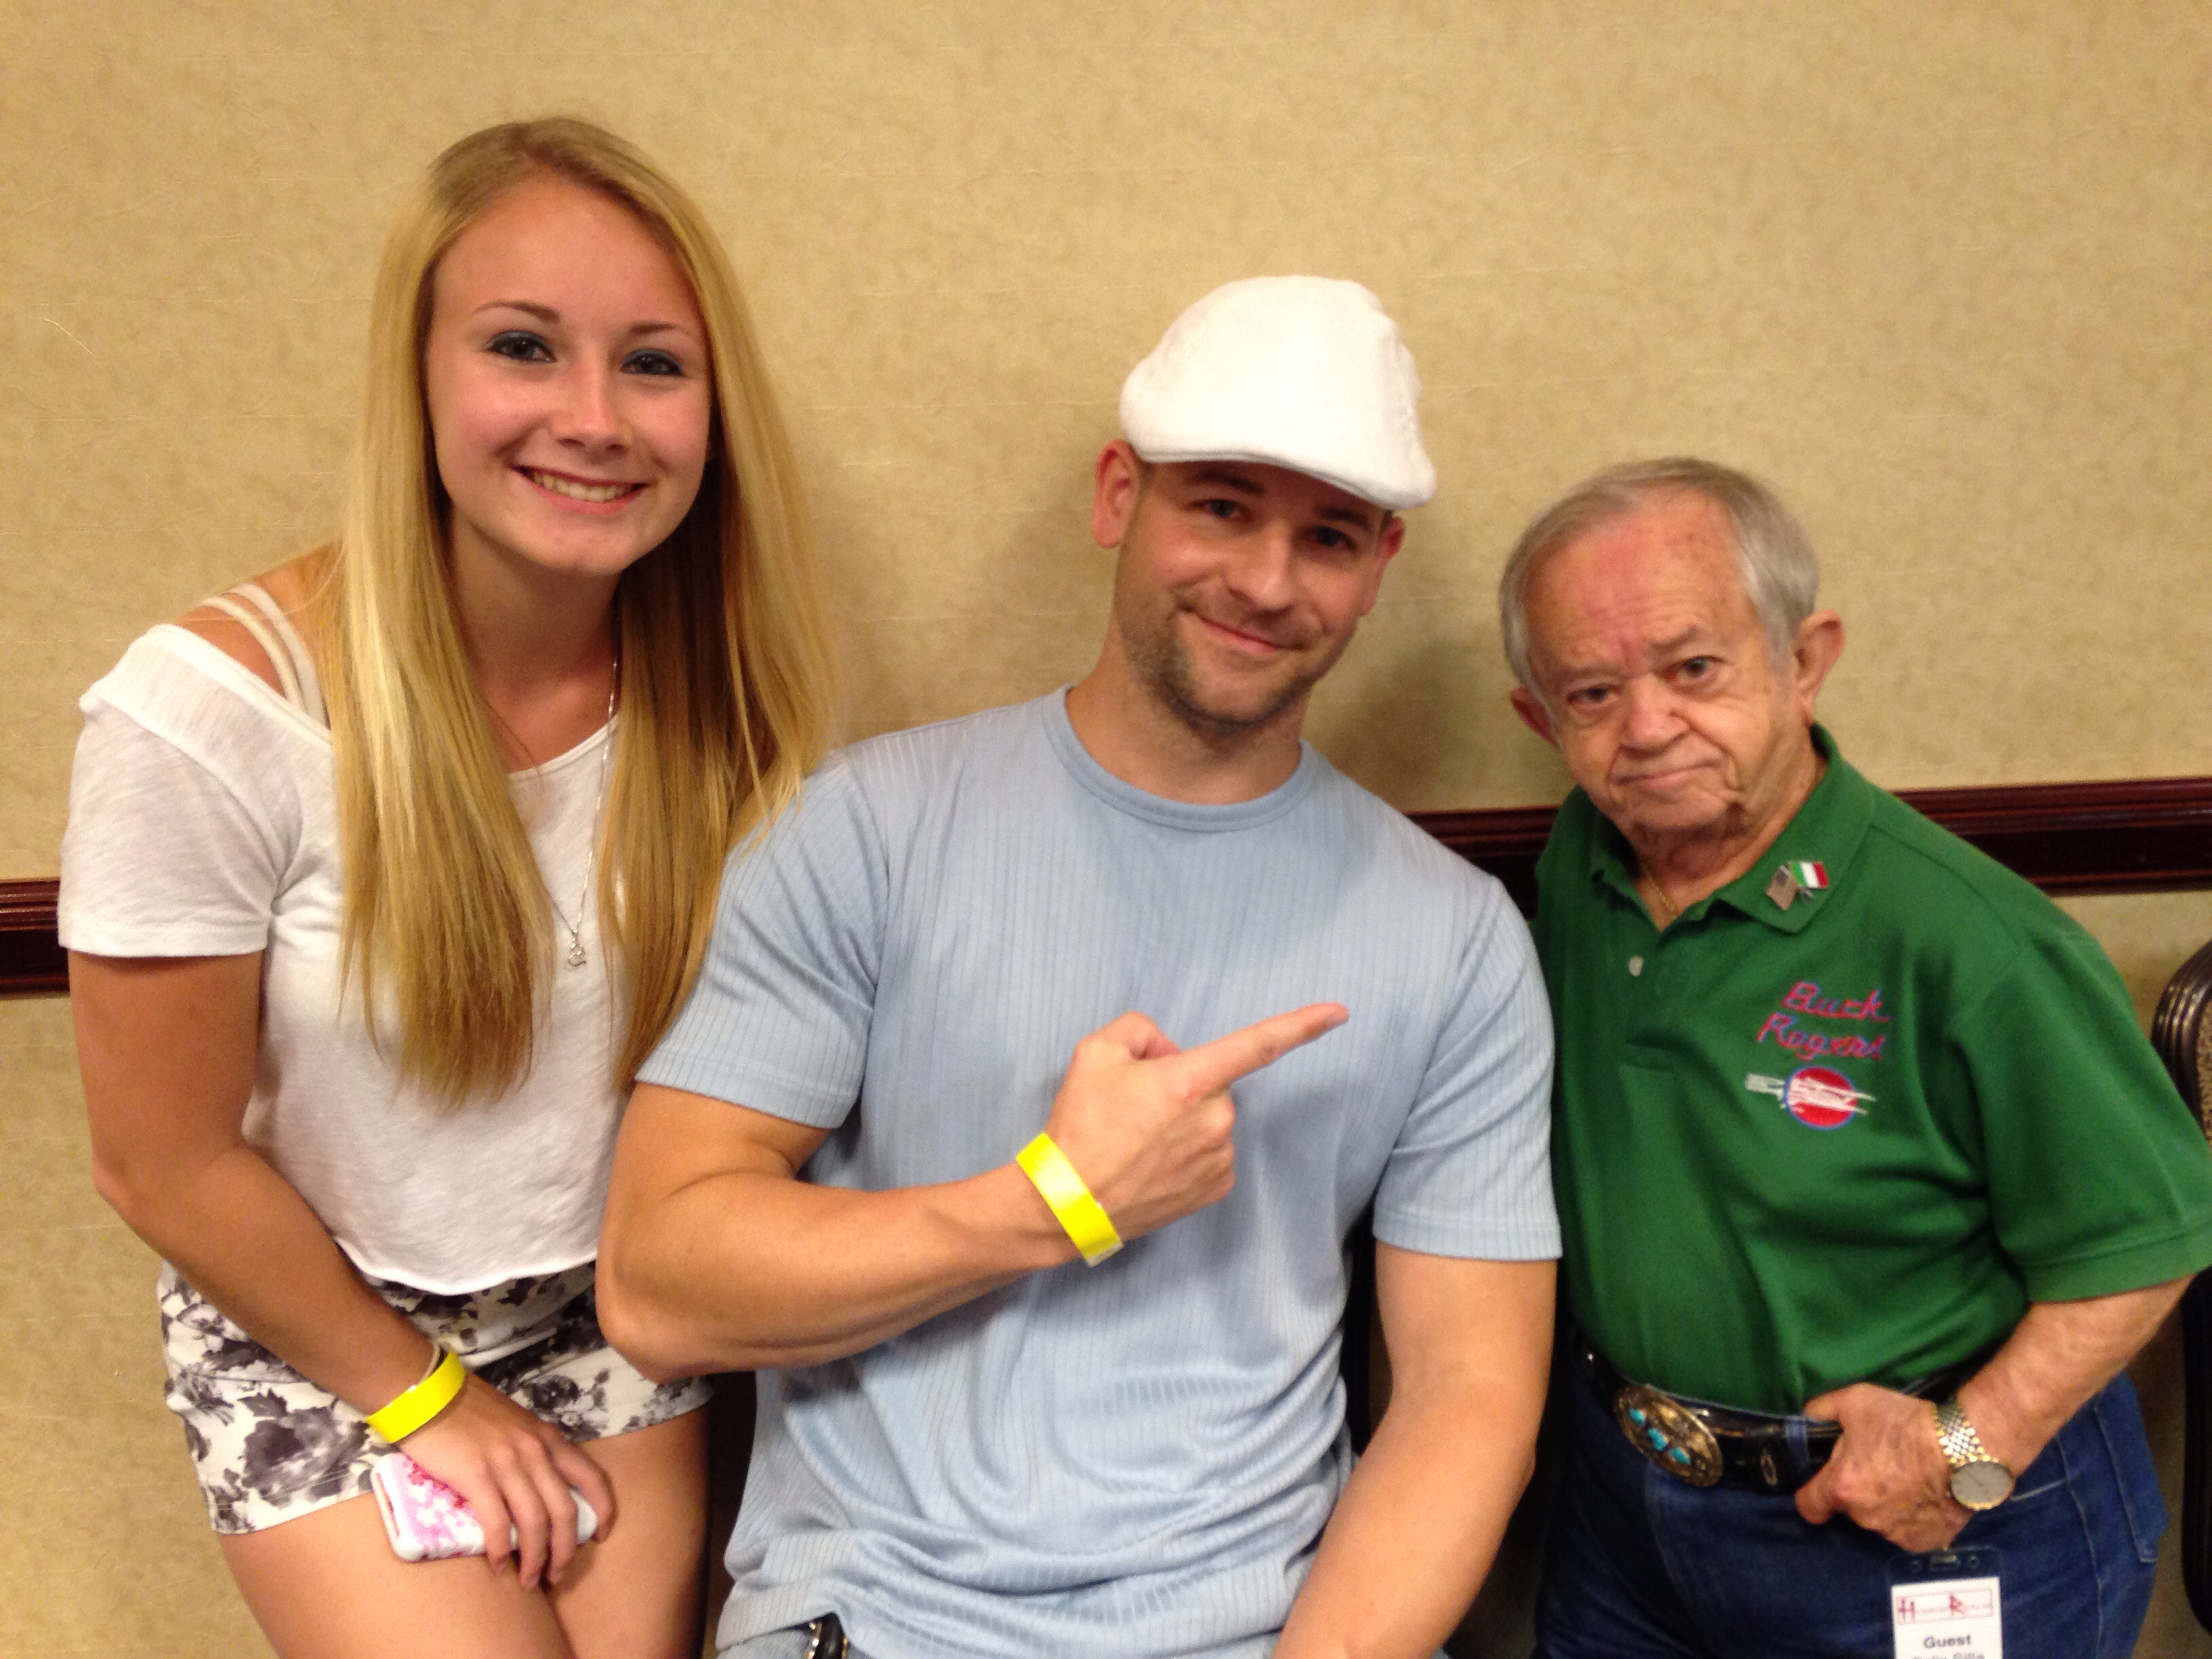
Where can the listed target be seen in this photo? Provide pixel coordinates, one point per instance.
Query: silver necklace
(576, 957)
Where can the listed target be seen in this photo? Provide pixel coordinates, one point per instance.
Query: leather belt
(1708, 1445)
(825, 1637)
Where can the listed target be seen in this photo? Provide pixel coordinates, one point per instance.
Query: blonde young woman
(385, 872)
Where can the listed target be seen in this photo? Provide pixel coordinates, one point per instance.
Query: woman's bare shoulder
(292, 585)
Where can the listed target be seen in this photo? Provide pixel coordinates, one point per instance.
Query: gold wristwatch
(1979, 1481)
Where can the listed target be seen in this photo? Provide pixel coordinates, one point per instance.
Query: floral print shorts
(269, 1445)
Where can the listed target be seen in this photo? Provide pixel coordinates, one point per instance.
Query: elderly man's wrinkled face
(1658, 684)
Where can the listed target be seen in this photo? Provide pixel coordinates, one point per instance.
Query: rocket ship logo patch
(1818, 1097)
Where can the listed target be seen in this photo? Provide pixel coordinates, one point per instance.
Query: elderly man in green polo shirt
(1870, 1182)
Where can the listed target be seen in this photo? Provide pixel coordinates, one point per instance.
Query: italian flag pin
(1810, 875)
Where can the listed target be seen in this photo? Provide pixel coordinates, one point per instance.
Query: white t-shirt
(202, 823)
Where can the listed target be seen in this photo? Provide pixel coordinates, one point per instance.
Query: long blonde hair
(725, 670)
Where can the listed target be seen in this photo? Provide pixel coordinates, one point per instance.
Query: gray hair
(1780, 572)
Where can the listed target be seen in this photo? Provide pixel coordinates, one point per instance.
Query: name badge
(1947, 1603)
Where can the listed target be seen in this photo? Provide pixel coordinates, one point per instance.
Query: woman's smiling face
(567, 376)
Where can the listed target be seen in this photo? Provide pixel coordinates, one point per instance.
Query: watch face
(1981, 1486)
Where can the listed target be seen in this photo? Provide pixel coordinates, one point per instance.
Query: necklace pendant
(575, 951)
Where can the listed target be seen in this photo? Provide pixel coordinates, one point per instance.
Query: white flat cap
(1302, 371)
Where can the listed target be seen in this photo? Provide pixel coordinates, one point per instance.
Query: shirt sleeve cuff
(2133, 1267)
(799, 1100)
(1531, 1240)
(128, 937)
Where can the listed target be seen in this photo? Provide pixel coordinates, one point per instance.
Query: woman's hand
(168, 1048)
(515, 1470)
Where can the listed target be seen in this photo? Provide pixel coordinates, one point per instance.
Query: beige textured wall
(1939, 272)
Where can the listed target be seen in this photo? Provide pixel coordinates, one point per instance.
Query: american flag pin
(1782, 889)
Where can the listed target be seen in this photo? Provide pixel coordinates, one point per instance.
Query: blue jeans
(1640, 1565)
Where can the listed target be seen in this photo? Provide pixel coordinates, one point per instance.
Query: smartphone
(426, 1520)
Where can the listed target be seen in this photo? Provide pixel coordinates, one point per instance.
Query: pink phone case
(427, 1521)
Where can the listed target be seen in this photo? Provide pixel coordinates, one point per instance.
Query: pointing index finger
(1218, 1064)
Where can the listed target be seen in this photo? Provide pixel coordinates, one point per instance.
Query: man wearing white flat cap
(985, 1137)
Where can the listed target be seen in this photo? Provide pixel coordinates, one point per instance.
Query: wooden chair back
(2183, 1035)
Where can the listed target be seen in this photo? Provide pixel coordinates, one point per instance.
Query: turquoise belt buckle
(1669, 1434)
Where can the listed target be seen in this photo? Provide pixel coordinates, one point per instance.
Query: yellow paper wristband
(440, 1386)
(1082, 1215)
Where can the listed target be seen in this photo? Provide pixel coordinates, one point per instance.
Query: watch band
(1961, 1445)
(1979, 1480)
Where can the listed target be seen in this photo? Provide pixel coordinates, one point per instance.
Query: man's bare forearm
(1889, 1475)
(2057, 1357)
(1419, 1524)
(744, 1271)
(715, 1256)
(1414, 1534)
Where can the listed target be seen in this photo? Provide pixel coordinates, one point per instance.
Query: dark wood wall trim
(2132, 836)
(31, 960)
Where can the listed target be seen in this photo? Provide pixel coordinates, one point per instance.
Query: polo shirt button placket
(1640, 1001)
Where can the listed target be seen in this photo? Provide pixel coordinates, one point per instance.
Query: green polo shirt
(1849, 1139)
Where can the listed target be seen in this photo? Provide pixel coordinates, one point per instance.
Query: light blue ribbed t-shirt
(1135, 1459)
